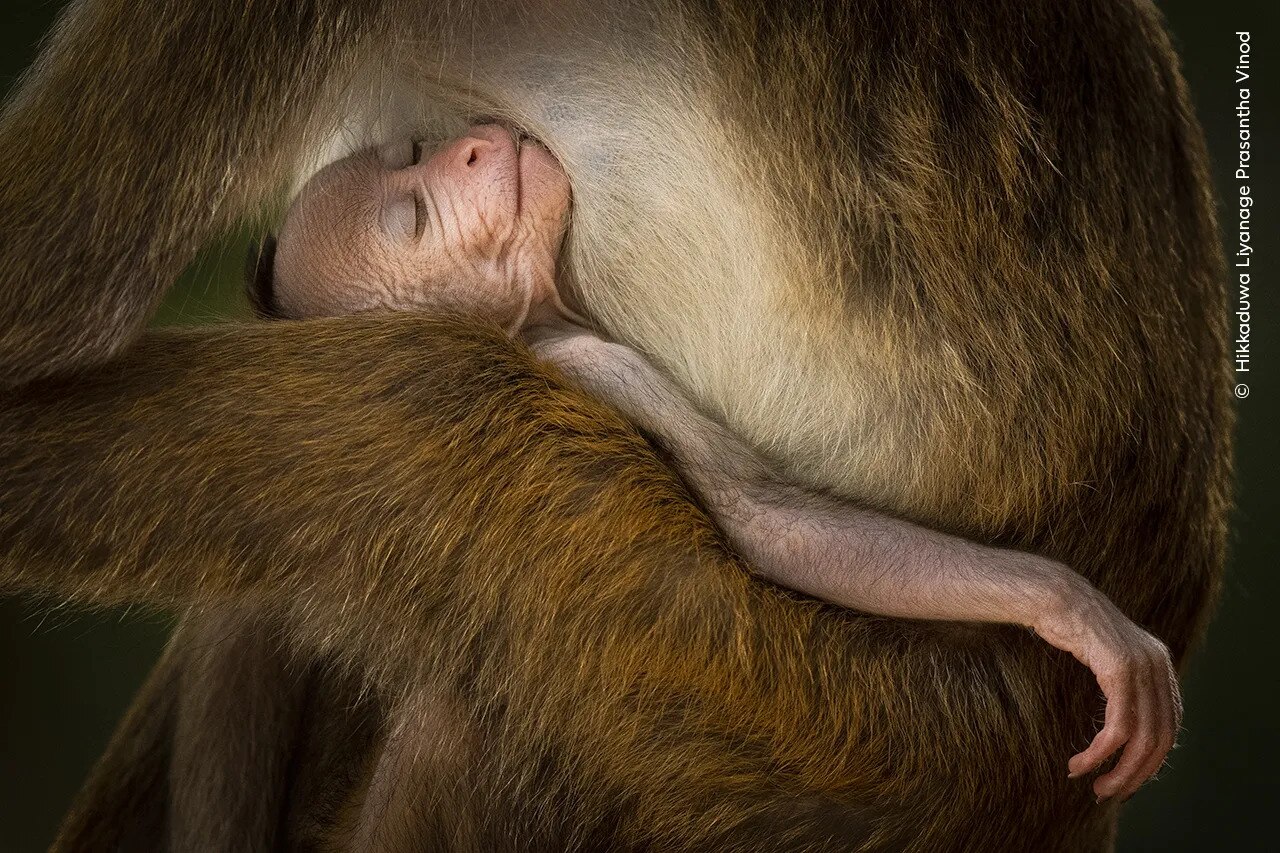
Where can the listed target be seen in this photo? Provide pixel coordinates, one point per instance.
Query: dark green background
(66, 677)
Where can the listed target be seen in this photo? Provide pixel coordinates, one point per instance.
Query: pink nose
(478, 148)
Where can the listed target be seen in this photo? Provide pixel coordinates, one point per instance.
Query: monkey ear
(259, 279)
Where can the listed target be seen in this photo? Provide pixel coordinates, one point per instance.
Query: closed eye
(417, 152)
(419, 215)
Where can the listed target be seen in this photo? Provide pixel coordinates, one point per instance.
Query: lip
(508, 137)
(532, 158)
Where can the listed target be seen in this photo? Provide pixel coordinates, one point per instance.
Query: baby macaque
(477, 225)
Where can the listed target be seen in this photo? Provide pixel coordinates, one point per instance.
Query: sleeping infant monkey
(477, 226)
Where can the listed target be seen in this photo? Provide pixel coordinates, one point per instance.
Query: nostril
(474, 151)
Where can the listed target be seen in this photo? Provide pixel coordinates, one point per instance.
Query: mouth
(531, 158)
(519, 174)
(518, 140)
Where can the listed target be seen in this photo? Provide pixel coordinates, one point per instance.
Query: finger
(1138, 749)
(1168, 697)
(1117, 725)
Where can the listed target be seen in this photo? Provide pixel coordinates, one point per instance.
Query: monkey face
(476, 227)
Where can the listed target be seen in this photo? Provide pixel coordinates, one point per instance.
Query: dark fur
(1016, 190)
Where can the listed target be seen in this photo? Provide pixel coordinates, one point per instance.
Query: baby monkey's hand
(1136, 674)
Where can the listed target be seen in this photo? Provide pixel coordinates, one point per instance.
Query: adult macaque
(477, 227)
(954, 261)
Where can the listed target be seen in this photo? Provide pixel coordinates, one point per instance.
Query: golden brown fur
(1004, 204)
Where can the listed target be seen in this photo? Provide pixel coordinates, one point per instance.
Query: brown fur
(240, 707)
(1006, 205)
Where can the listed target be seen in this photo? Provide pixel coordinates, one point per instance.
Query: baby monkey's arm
(868, 561)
